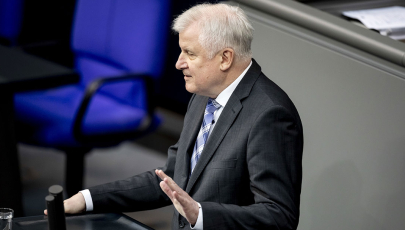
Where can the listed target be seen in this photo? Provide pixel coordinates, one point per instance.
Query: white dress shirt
(222, 99)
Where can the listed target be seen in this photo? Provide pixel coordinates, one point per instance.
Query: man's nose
(181, 63)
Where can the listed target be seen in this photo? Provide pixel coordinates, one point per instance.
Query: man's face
(202, 75)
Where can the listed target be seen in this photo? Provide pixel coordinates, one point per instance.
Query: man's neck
(236, 71)
(234, 82)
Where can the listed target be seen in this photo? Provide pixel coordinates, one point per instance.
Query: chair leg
(74, 170)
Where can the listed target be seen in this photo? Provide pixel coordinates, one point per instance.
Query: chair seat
(48, 115)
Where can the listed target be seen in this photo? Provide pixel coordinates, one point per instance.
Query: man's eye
(191, 56)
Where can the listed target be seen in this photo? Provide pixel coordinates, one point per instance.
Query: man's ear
(227, 58)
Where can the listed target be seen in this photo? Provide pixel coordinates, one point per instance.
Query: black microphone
(50, 206)
(56, 210)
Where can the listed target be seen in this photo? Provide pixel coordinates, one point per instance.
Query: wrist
(199, 224)
(198, 209)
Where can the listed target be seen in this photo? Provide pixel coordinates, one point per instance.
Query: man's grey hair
(221, 26)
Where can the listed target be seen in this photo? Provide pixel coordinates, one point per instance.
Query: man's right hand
(74, 205)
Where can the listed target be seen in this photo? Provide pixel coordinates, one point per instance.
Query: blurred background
(348, 90)
(44, 28)
(45, 31)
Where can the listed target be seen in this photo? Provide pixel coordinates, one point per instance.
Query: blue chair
(11, 14)
(119, 48)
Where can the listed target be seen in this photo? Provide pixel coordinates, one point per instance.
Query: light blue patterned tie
(202, 137)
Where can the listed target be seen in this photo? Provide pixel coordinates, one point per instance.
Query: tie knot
(212, 105)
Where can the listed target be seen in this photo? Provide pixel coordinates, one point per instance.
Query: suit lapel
(197, 117)
(225, 121)
(193, 124)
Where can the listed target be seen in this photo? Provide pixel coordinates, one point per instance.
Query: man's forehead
(188, 36)
(190, 31)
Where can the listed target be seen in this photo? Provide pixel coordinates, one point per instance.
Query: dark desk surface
(21, 71)
(108, 221)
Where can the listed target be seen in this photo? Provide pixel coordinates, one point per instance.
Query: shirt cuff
(87, 197)
(199, 224)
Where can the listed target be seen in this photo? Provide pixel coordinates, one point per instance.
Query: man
(237, 164)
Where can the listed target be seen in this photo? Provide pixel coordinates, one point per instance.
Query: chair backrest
(112, 37)
(11, 13)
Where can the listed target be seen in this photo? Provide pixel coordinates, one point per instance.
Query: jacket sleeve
(274, 161)
(140, 192)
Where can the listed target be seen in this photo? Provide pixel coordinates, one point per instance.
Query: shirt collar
(224, 96)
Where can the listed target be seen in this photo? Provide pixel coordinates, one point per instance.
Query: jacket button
(181, 224)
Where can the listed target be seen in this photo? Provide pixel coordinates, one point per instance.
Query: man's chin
(190, 89)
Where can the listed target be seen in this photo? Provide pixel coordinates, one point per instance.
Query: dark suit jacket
(249, 173)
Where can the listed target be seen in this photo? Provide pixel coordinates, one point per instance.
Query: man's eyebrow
(187, 50)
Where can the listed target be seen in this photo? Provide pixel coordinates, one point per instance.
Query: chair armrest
(92, 89)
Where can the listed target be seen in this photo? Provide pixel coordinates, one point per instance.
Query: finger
(173, 186)
(161, 174)
(169, 181)
(166, 189)
(179, 198)
(66, 206)
(183, 199)
(177, 203)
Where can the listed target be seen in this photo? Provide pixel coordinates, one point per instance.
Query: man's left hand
(184, 204)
